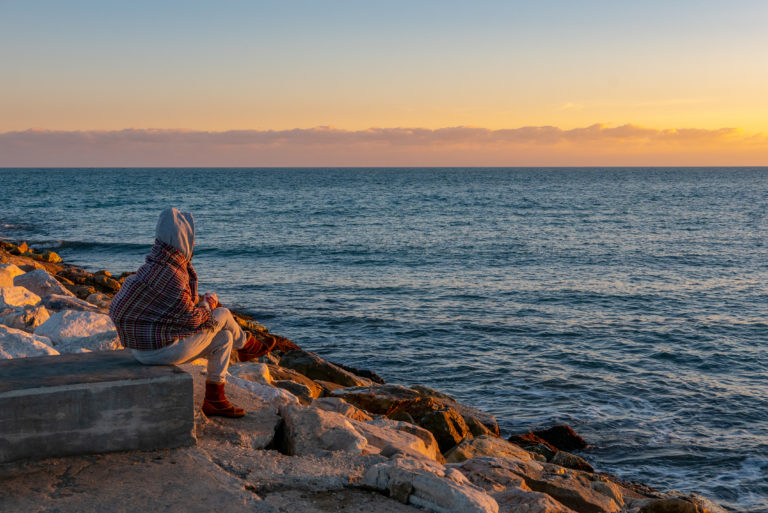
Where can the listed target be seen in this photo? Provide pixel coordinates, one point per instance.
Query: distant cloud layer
(326, 146)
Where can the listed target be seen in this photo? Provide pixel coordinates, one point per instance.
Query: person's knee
(220, 316)
(222, 341)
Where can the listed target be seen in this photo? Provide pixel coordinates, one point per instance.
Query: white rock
(426, 484)
(57, 303)
(433, 450)
(252, 371)
(389, 441)
(17, 296)
(572, 488)
(71, 330)
(7, 273)
(101, 300)
(41, 283)
(20, 344)
(486, 445)
(339, 405)
(313, 431)
(25, 318)
(274, 396)
(520, 500)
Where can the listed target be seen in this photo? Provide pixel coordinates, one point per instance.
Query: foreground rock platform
(90, 403)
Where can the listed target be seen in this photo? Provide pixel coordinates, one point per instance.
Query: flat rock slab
(91, 402)
(180, 480)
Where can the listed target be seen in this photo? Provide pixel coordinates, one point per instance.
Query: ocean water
(628, 303)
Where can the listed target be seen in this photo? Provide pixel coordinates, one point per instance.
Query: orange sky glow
(552, 83)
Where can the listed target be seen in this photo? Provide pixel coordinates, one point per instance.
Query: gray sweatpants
(215, 345)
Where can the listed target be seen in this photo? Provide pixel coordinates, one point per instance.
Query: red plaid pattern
(158, 304)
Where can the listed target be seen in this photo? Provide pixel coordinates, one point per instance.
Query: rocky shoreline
(319, 436)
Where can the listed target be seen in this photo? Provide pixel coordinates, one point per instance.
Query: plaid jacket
(156, 306)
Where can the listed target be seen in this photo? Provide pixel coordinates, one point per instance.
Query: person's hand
(212, 299)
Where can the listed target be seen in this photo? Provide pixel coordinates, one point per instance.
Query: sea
(628, 303)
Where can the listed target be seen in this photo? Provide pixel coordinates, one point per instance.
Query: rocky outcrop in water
(317, 435)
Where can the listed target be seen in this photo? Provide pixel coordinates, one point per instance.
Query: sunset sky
(383, 83)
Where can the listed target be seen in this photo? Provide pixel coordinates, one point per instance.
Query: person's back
(159, 316)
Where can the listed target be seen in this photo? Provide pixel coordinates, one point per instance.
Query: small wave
(88, 245)
(18, 229)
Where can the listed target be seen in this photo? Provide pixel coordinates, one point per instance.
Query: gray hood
(177, 229)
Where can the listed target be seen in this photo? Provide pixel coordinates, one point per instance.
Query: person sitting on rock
(160, 317)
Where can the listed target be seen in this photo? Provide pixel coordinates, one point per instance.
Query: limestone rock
(426, 391)
(252, 371)
(566, 459)
(301, 387)
(51, 257)
(572, 488)
(276, 397)
(609, 489)
(81, 291)
(428, 485)
(401, 416)
(562, 437)
(270, 358)
(500, 478)
(705, 504)
(100, 300)
(41, 283)
(282, 374)
(71, 331)
(496, 474)
(56, 303)
(477, 428)
(471, 415)
(378, 399)
(11, 297)
(389, 441)
(7, 273)
(267, 471)
(519, 500)
(26, 318)
(314, 431)
(448, 427)
(533, 443)
(76, 275)
(245, 322)
(314, 367)
(416, 402)
(427, 437)
(486, 445)
(106, 283)
(20, 344)
(327, 387)
(672, 505)
(64, 281)
(301, 391)
(170, 481)
(338, 405)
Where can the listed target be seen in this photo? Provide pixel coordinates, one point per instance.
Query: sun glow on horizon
(263, 66)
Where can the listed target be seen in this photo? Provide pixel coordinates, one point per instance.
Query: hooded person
(159, 316)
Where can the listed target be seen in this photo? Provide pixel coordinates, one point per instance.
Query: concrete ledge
(91, 402)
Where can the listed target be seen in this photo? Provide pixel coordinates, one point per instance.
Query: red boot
(216, 403)
(255, 348)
